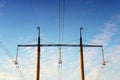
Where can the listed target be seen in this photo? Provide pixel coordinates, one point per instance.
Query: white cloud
(9, 71)
(5, 76)
(93, 75)
(1, 75)
(108, 31)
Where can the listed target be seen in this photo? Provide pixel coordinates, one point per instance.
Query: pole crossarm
(55, 45)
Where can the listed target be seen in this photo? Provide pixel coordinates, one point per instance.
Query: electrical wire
(59, 60)
(30, 41)
(111, 55)
(63, 19)
(91, 42)
(47, 41)
(73, 40)
(19, 72)
(10, 56)
(61, 33)
(60, 49)
(59, 22)
(6, 51)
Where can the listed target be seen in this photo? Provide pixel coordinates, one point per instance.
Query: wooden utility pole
(81, 56)
(38, 56)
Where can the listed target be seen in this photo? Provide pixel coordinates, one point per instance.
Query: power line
(60, 40)
(19, 72)
(46, 40)
(11, 58)
(73, 40)
(30, 41)
(63, 19)
(6, 51)
(113, 53)
(59, 23)
(61, 34)
(59, 60)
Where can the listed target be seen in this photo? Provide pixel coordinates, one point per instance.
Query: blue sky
(99, 18)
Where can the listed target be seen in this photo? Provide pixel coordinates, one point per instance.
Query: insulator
(104, 63)
(16, 63)
(60, 61)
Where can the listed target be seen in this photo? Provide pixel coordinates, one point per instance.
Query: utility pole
(81, 56)
(59, 45)
(38, 56)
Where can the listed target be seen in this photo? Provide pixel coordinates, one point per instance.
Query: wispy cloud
(9, 70)
(108, 31)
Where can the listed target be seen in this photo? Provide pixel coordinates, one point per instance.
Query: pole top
(81, 28)
(38, 27)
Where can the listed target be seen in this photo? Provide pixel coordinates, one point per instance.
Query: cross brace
(55, 45)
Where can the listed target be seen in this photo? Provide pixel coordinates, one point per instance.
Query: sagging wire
(45, 40)
(30, 41)
(73, 40)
